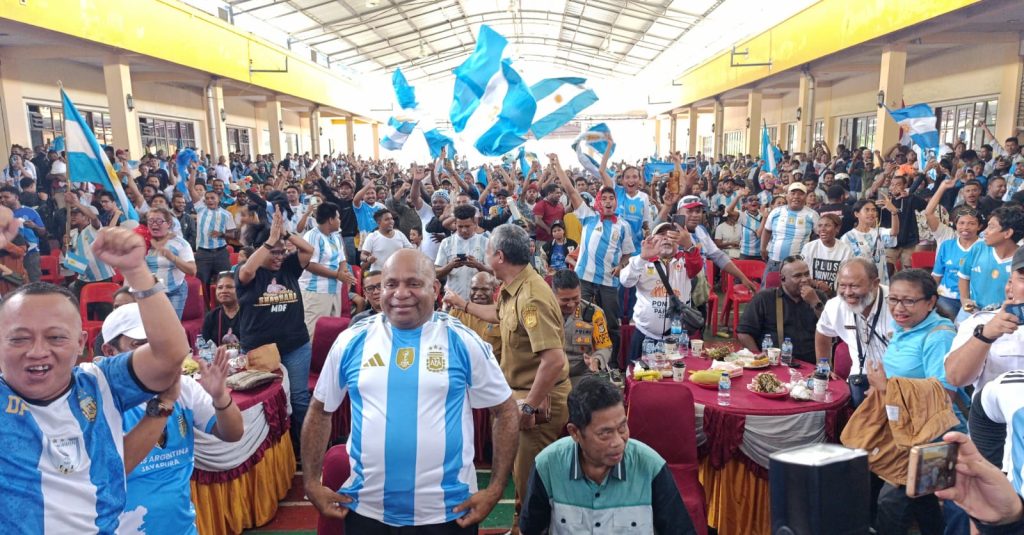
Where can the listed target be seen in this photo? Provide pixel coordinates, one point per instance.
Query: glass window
(166, 135)
(45, 124)
(734, 142)
(238, 141)
(819, 131)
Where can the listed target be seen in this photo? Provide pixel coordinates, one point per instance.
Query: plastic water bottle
(787, 352)
(683, 341)
(207, 349)
(724, 390)
(767, 343)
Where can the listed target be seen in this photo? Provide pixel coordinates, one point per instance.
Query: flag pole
(67, 168)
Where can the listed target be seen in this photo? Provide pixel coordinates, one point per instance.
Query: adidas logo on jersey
(374, 362)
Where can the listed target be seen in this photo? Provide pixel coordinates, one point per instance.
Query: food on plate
(706, 377)
(189, 367)
(767, 383)
(647, 375)
(800, 392)
(719, 353)
(758, 363)
(734, 369)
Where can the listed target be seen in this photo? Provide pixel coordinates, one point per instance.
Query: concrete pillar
(754, 119)
(275, 122)
(260, 120)
(692, 132)
(350, 134)
(218, 145)
(890, 80)
(657, 136)
(804, 109)
(719, 144)
(1012, 67)
(376, 141)
(314, 131)
(123, 122)
(824, 111)
(672, 132)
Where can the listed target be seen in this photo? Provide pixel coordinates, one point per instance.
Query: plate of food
(734, 369)
(767, 385)
(756, 363)
(718, 353)
(706, 379)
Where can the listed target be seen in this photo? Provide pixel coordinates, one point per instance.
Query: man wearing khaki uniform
(532, 341)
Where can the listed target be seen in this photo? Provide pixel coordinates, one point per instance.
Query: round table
(237, 485)
(735, 441)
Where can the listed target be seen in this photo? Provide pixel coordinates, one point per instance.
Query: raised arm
(574, 196)
(931, 211)
(606, 179)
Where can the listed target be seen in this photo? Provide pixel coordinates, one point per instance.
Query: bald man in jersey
(407, 371)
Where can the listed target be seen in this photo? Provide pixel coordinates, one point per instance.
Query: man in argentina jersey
(212, 223)
(327, 272)
(63, 466)
(788, 228)
(605, 246)
(159, 498)
(84, 223)
(1002, 402)
(413, 377)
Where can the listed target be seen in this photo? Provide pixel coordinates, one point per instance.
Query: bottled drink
(675, 332)
(207, 351)
(767, 343)
(200, 343)
(821, 376)
(724, 390)
(787, 352)
(683, 342)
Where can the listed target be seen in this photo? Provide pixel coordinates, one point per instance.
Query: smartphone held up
(932, 468)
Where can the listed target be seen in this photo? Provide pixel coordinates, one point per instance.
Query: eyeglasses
(372, 287)
(906, 302)
(156, 221)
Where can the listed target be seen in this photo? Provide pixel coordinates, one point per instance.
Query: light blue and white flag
(481, 176)
(397, 134)
(76, 262)
(590, 147)
(182, 161)
(657, 167)
(769, 153)
(86, 160)
(919, 122)
(58, 144)
(404, 93)
(437, 141)
(492, 107)
(526, 160)
(559, 100)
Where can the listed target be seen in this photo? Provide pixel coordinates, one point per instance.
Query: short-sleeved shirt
(63, 462)
(207, 221)
(548, 213)
(95, 269)
(411, 447)
(920, 352)
(988, 274)
(824, 261)
(364, 216)
(270, 308)
(158, 488)
(1005, 354)
(217, 324)
(949, 260)
(531, 322)
(382, 247)
(164, 268)
(838, 320)
(1002, 401)
(604, 241)
(750, 238)
(29, 214)
(872, 245)
(329, 252)
(759, 319)
(586, 332)
(790, 231)
(635, 210)
(452, 246)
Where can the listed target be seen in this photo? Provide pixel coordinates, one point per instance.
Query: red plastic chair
(49, 265)
(211, 297)
(335, 471)
(712, 305)
(737, 294)
(325, 333)
(923, 260)
(192, 316)
(842, 361)
(773, 280)
(97, 292)
(673, 434)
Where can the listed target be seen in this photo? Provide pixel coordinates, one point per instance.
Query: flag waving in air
(590, 147)
(919, 122)
(400, 128)
(492, 107)
(769, 153)
(558, 101)
(398, 133)
(86, 160)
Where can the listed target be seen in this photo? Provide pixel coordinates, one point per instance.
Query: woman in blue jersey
(170, 257)
(949, 258)
(986, 267)
(867, 239)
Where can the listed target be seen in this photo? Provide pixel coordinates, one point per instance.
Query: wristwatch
(527, 409)
(979, 333)
(156, 409)
(158, 286)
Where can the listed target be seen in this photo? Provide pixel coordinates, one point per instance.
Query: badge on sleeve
(530, 316)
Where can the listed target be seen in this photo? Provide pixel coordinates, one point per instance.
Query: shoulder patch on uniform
(530, 316)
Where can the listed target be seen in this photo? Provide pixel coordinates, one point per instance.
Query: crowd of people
(515, 283)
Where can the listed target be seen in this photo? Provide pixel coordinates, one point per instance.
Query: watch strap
(158, 287)
(980, 335)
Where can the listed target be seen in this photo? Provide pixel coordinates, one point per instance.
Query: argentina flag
(398, 133)
(492, 108)
(558, 101)
(86, 160)
(769, 153)
(436, 141)
(590, 147)
(918, 121)
(404, 93)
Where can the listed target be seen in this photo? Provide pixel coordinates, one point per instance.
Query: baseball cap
(662, 227)
(92, 209)
(842, 176)
(1018, 260)
(690, 201)
(797, 186)
(125, 320)
(558, 223)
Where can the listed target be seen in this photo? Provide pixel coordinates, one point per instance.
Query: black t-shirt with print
(271, 308)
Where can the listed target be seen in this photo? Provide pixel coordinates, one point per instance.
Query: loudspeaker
(820, 489)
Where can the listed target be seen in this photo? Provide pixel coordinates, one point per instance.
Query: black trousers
(210, 262)
(606, 297)
(897, 512)
(361, 525)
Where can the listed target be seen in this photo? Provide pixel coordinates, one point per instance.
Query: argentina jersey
(987, 274)
(602, 244)
(328, 251)
(208, 221)
(63, 463)
(95, 270)
(635, 210)
(750, 238)
(790, 231)
(164, 268)
(411, 444)
(1002, 401)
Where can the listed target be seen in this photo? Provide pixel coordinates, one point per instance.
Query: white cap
(125, 320)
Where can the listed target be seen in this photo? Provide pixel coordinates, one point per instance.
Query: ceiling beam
(169, 77)
(965, 38)
(51, 52)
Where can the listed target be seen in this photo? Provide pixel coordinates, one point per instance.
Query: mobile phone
(679, 220)
(932, 467)
(1017, 310)
(461, 257)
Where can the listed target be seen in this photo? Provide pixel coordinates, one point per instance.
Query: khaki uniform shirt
(531, 322)
(586, 337)
(488, 331)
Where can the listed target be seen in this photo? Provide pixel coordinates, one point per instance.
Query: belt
(221, 248)
(559, 383)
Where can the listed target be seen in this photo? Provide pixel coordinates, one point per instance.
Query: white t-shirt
(838, 320)
(1002, 401)
(460, 277)
(872, 245)
(427, 244)
(729, 233)
(1005, 354)
(382, 247)
(824, 261)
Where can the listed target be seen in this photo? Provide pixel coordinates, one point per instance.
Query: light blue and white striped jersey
(207, 221)
(602, 244)
(328, 251)
(765, 197)
(635, 210)
(164, 268)
(750, 238)
(412, 391)
(97, 270)
(62, 470)
(790, 231)
(872, 245)
(159, 496)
